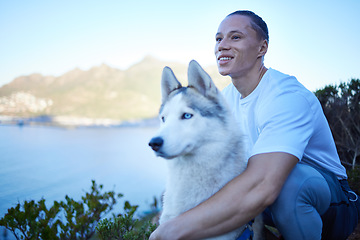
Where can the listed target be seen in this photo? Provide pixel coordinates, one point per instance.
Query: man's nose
(223, 45)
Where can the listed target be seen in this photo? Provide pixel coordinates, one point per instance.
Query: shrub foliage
(72, 219)
(125, 226)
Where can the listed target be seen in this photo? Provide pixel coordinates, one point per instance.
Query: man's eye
(163, 119)
(218, 39)
(186, 116)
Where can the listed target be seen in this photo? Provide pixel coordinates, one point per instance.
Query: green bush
(125, 226)
(35, 221)
(64, 220)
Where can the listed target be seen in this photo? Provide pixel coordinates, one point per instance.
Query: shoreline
(75, 122)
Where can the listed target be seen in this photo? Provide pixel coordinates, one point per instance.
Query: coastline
(75, 122)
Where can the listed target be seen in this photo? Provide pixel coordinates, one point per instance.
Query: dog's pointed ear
(200, 80)
(168, 83)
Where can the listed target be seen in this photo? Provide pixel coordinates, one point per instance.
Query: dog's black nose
(156, 143)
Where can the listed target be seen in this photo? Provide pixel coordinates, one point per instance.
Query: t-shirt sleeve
(285, 125)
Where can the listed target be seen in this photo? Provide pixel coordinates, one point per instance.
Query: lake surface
(51, 162)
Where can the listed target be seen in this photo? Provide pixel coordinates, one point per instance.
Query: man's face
(237, 46)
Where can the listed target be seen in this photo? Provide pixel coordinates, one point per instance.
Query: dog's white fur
(199, 138)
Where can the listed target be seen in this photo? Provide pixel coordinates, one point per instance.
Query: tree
(341, 106)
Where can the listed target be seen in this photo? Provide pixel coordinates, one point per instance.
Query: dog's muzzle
(156, 143)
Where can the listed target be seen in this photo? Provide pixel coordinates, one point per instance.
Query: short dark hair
(257, 23)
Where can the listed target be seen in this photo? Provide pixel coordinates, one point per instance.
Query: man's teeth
(225, 58)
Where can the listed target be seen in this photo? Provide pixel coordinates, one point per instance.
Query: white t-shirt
(281, 115)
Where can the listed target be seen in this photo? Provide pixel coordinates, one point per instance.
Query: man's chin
(223, 72)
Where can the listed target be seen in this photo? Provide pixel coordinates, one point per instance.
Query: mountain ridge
(99, 92)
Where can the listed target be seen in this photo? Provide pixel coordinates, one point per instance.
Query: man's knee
(303, 198)
(304, 187)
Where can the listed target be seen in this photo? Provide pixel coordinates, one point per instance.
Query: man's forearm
(233, 206)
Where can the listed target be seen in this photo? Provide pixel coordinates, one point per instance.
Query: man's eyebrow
(231, 32)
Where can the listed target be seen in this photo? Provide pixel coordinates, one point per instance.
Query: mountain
(100, 92)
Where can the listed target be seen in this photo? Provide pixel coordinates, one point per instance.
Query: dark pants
(342, 217)
(314, 204)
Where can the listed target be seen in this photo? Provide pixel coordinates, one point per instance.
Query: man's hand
(154, 236)
(165, 232)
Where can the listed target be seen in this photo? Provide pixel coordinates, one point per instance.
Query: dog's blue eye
(186, 116)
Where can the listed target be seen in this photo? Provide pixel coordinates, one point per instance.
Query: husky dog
(200, 140)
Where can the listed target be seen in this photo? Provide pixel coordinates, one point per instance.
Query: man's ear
(263, 48)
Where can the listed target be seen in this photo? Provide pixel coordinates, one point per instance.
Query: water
(50, 162)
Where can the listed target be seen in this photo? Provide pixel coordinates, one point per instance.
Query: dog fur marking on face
(206, 107)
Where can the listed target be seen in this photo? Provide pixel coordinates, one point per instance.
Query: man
(294, 172)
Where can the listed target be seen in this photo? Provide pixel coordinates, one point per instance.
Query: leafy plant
(64, 220)
(125, 226)
(35, 221)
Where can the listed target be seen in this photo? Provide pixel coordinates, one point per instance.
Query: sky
(315, 40)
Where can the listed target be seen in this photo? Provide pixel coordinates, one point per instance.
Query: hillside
(100, 92)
